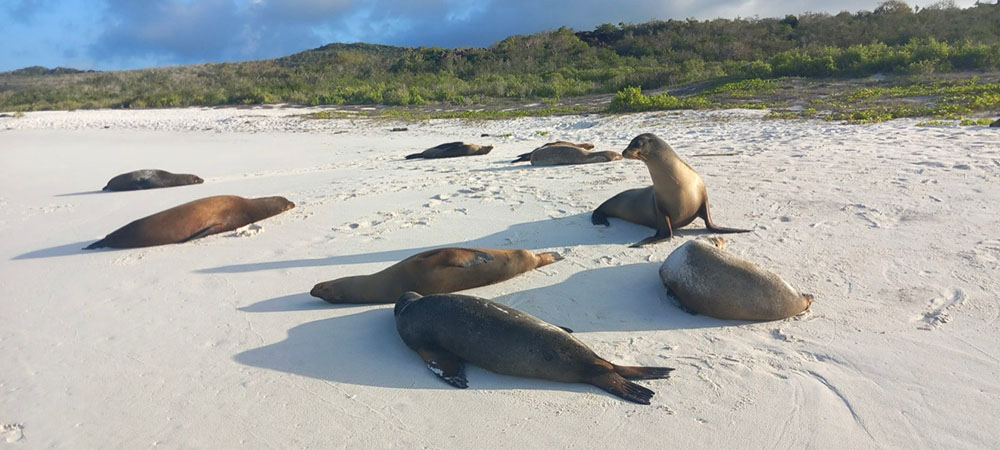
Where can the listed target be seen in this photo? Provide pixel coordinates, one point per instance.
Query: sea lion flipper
(522, 158)
(617, 385)
(642, 373)
(705, 215)
(467, 257)
(99, 244)
(446, 366)
(664, 231)
(565, 329)
(201, 233)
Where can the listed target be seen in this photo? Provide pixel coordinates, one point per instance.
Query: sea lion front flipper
(446, 366)
(201, 233)
(468, 257)
(664, 231)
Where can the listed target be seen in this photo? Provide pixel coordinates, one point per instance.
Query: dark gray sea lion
(150, 179)
(526, 157)
(193, 220)
(995, 124)
(434, 272)
(451, 150)
(449, 330)
(677, 196)
(709, 280)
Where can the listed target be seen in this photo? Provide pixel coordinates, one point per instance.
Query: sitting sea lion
(451, 150)
(449, 329)
(150, 179)
(434, 272)
(525, 157)
(677, 196)
(710, 281)
(558, 155)
(193, 220)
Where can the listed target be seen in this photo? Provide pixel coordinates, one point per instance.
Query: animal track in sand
(12, 432)
(246, 231)
(938, 309)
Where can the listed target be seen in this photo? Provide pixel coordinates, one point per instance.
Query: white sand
(217, 344)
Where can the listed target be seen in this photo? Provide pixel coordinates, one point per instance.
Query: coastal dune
(894, 229)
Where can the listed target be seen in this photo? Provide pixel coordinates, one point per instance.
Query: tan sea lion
(193, 220)
(525, 157)
(559, 155)
(434, 272)
(708, 280)
(150, 179)
(451, 150)
(448, 330)
(677, 196)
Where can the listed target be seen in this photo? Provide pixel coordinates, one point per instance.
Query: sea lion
(525, 157)
(150, 179)
(193, 220)
(558, 155)
(995, 124)
(451, 150)
(708, 280)
(434, 272)
(450, 329)
(677, 196)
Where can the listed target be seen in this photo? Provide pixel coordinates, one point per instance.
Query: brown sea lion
(150, 179)
(677, 196)
(451, 150)
(559, 155)
(448, 330)
(434, 272)
(709, 280)
(193, 220)
(525, 157)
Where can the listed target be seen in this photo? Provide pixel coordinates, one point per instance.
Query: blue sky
(130, 34)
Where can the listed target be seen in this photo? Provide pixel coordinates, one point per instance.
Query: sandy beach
(216, 343)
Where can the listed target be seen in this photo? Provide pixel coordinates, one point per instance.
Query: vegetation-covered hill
(892, 39)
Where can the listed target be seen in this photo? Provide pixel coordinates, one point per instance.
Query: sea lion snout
(325, 291)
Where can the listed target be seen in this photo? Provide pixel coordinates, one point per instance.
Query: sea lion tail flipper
(201, 233)
(522, 158)
(643, 373)
(446, 366)
(617, 385)
(106, 188)
(414, 156)
(99, 244)
(706, 215)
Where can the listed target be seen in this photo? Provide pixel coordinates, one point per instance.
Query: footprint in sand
(12, 432)
(937, 310)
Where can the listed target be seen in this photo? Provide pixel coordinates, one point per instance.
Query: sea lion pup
(193, 220)
(676, 198)
(708, 280)
(448, 330)
(560, 155)
(150, 179)
(451, 150)
(525, 157)
(435, 271)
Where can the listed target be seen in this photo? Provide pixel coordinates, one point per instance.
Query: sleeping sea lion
(434, 272)
(525, 157)
(708, 280)
(559, 155)
(448, 330)
(150, 179)
(677, 196)
(451, 150)
(193, 220)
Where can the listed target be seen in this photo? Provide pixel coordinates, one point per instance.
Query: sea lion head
(192, 179)
(642, 146)
(276, 204)
(404, 301)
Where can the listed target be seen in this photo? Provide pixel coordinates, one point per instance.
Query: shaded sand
(217, 344)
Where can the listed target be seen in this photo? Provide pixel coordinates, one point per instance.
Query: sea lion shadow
(60, 250)
(72, 194)
(294, 302)
(365, 349)
(548, 233)
(629, 297)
